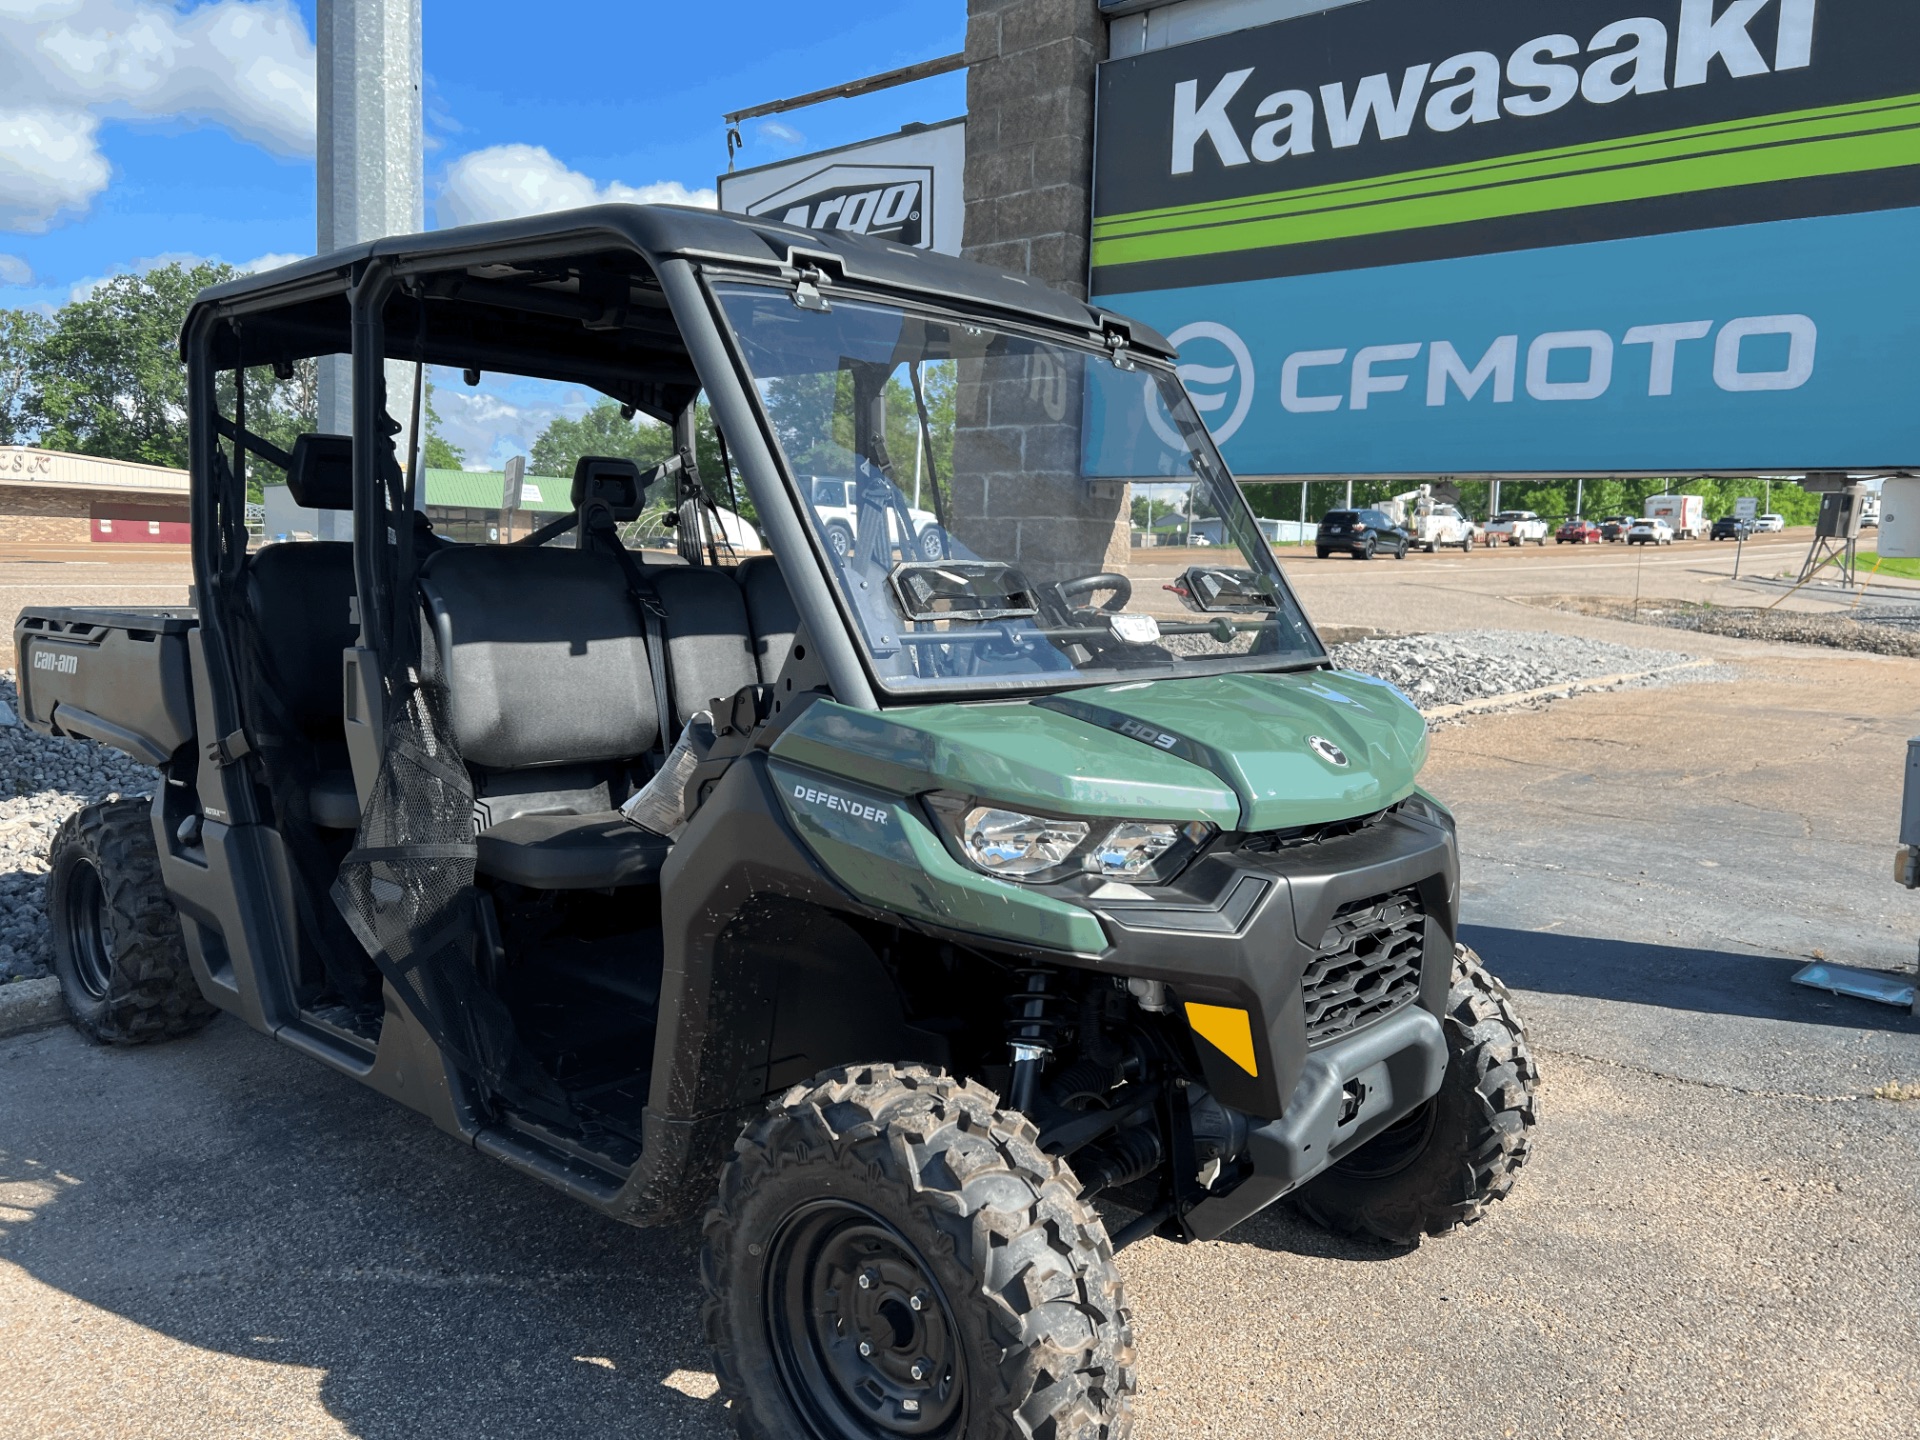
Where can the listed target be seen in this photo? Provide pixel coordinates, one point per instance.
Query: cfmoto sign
(1217, 370)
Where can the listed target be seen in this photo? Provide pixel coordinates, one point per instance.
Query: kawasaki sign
(1589, 236)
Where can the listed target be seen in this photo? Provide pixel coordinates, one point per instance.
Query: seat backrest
(300, 602)
(545, 658)
(709, 640)
(771, 617)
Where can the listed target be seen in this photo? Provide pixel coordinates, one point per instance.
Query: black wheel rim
(1394, 1148)
(85, 921)
(840, 1278)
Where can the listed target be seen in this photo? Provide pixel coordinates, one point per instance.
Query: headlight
(1005, 842)
(1041, 849)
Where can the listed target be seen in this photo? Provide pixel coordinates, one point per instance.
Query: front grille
(1272, 842)
(1368, 965)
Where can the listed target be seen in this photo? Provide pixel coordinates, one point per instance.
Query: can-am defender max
(979, 879)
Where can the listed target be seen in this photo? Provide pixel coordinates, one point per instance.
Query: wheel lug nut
(866, 1347)
(920, 1369)
(867, 1279)
(917, 1302)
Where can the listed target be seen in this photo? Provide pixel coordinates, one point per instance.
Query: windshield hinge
(806, 290)
(1119, 345)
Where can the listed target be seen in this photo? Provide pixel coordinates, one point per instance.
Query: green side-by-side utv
(936, 905)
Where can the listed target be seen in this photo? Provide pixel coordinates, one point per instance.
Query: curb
(1556, 692)
(29, 1005)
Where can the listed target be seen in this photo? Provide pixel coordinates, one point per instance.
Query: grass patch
(1895, 569)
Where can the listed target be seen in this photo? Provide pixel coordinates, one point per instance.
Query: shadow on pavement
(237, 1198)
(1712, 982)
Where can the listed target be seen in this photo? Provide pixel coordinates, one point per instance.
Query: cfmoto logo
(1221, 392)
(1327, 750)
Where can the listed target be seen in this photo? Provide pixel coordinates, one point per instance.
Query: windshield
(1002, 512)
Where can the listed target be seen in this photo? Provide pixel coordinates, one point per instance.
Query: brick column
(1030, 69)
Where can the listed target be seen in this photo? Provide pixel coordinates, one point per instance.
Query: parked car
(1615, 528)
(1361, 534)
(1650, 531)
(1578, 532)
(1769, 524)
(1516, 527)
(1732, 527)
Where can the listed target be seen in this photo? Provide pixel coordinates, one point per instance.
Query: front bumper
(1347, 1094)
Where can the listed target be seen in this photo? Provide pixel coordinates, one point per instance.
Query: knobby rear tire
(117, 947)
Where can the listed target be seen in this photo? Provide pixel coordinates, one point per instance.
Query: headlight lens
(1042, 849)
(1006, 842)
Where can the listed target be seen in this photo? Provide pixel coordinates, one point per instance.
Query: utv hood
(1246, 752)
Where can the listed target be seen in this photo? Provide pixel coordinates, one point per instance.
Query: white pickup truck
(1517, 527)
(834, 503)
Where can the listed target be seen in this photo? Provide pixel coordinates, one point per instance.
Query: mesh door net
(407, 890)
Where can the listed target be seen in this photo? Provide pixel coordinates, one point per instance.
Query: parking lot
(218, 1238)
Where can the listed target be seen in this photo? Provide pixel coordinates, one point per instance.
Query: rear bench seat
(552, 694)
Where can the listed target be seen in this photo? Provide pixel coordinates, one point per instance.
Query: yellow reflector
(1228, 1030)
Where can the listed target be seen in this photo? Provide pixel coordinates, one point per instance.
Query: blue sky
(144, 129)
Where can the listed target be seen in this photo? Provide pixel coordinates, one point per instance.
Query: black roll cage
(550, 289)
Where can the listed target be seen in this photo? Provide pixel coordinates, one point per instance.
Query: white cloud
(244, 65)
(50, 166)
(186, 259)
(15, 271)
(504, 416)
(504, 182)
(773, 132)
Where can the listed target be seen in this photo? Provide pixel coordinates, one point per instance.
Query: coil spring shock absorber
(1031, 1035)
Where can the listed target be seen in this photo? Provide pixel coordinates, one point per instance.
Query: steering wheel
(1071, 590)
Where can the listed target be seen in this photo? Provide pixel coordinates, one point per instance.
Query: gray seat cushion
(571, 852)
(545, 657)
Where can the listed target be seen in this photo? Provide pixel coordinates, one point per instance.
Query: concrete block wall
(1018, 490)
(1029, 177)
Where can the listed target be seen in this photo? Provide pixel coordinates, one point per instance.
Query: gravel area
(42, 781)
(1452, 669)
(1875, 630)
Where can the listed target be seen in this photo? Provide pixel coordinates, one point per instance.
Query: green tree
(107, 378)
(22, 334)
(601, 431)
(437, 452)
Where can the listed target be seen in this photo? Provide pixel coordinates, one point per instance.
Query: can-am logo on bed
(893, 202)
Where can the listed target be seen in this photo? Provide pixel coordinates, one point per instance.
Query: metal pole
(371, 162)
(1301, 537)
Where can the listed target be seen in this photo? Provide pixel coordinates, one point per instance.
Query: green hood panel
(1016, 753)
(1230, 749)
(1253, 731)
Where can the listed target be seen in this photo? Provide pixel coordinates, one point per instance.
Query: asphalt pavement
(216, 1238)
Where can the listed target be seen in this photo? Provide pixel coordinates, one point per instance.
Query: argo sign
(1576, 236)
(905, 188)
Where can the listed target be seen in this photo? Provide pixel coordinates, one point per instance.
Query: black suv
(1732, 527)
(1362, 534)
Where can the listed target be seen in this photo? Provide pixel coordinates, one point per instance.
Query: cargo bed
(121, 677)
